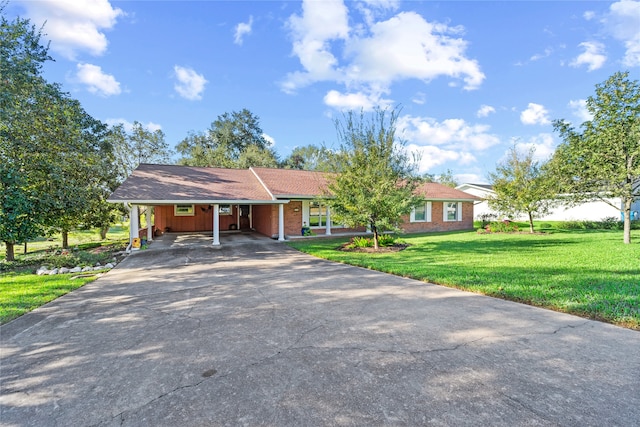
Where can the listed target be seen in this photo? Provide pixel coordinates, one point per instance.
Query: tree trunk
(531, 223)
(65, 239)
(375, 237)
(25, 248)
(627, 220)
(10, 256)
(103, 232)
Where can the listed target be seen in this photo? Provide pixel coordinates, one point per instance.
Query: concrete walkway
(258, 334)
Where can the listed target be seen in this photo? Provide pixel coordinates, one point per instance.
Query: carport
(198, 197)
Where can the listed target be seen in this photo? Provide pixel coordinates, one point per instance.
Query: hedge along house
(274, 202)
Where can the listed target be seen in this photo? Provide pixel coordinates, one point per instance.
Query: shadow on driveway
(259, 334)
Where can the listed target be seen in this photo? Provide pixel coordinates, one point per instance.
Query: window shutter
(428, 213)
(444, 211)
(459, 211)
(412, 217)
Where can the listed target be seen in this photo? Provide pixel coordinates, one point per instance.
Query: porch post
(328, 232)
(216, 225)
(281, 222)
(133, 224)
(149, 225)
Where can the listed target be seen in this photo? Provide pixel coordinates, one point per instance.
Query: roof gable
(287, 183)
(171, 183)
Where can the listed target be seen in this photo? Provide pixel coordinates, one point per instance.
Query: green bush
(502, 227)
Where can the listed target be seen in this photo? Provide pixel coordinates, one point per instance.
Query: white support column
(281, 222)
(216, 225)
(328, 231)
(133, 224)
(149, 225)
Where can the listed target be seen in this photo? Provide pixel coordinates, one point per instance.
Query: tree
(602, 159)
(521, 187)
(49, 146)
(23, 165)
(309, 157)
(140, 145)
(447, 178)
(374, 182)
(233, 140)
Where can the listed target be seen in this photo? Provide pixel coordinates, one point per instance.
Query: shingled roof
(171, 184)
(436, 191)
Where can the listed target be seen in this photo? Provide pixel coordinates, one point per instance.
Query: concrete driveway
(259, 334)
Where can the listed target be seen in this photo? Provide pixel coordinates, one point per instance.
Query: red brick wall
(202, 220)
(265, 219)
(437, 223)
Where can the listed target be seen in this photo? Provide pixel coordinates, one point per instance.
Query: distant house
(275, 202)
(588, 211)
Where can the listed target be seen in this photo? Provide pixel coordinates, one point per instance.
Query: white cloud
(623, 22)
(485, 110)
(450, 133)
(190, 84)
(593, 56)
(242, 29)
(97, 81)
(430, 156)
(579, 109)
(543, 144)
(269, 139)
(128, 126)
(74, 25)
(547, 52)
(535, 114)
(589, 15)
(473, 178)
(370, 57)
(355, 101)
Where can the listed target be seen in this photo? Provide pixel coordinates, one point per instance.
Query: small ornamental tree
(602, 160)
(521, 187)
(374, 182)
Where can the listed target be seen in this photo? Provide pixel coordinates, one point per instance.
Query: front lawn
(21, 293)
(587, 273)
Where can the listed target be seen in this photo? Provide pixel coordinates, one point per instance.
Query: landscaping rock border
(45, 270)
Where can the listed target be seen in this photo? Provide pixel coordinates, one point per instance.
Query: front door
(245, 221)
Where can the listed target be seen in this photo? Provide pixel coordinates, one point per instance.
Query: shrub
(502, 227)
(386, 240)
(487, 218)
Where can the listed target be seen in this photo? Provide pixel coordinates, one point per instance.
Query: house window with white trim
(183, 210)
(317, 214)
(421, 213)
(452, 211)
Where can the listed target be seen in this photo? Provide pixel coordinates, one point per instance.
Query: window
(421, 213)
(452, 211)
(317, 214)
(224, 210)
(183, 210)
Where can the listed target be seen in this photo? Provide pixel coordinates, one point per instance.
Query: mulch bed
(382, 249)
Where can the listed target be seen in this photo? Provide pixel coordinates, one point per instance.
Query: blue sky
(470, 77)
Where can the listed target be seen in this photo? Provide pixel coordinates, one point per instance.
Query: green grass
(21, 293)
(587, 273)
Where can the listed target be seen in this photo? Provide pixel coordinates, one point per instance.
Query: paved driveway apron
(258, 334)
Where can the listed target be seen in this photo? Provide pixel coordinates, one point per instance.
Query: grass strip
(23, 292)
(587, 273)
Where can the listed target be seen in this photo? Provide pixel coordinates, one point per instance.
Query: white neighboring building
(589, 211)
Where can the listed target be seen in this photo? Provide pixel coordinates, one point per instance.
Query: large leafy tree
(309, 157)
(233, 140)
(23, 100)
(521, 187)
(139, 145)
(601, 160)
(374, 182)
(52, 151)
